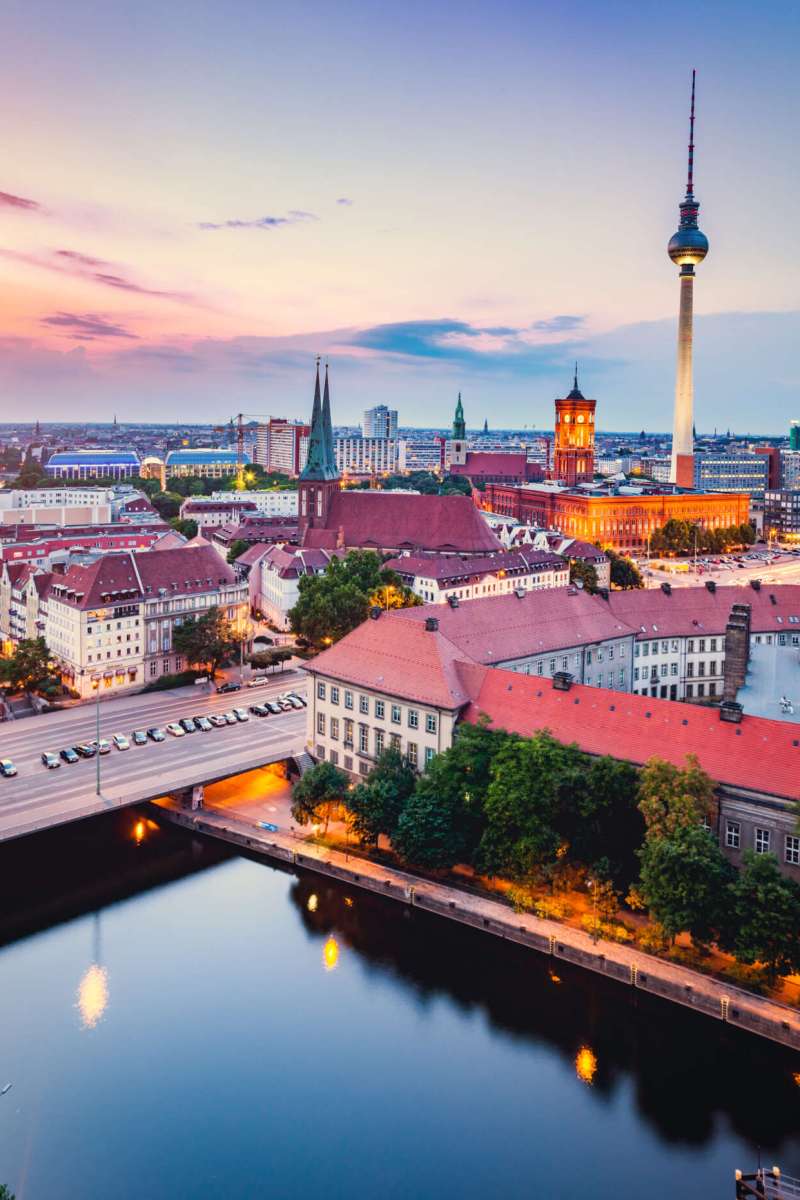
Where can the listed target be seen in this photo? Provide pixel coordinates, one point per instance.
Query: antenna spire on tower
(690, 177)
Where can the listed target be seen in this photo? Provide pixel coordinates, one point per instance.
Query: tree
(601, 823)
(334, 603)
(186, 526)
(624, 572)
(29, 667)
(377, 803)
(584, 573)
(317, 793)
(206, 640)
(5, 1194)
(764, 916)
(275, 656)
(236, 549)
(167, 504)
(531, 778)
(684, 879)
(671, 796)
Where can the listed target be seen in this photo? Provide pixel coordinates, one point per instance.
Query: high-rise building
(261, 448)
(380, 422)
(573, 452)
(731, 472)
(288, 446)
(794, 435)
(686, 248)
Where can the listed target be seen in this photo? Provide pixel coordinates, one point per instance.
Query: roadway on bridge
(38, 798)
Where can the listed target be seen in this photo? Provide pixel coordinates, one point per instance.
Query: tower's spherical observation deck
(687, 246)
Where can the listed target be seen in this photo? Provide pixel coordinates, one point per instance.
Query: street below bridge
(38, 798)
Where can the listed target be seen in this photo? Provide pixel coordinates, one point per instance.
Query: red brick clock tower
(573, 451)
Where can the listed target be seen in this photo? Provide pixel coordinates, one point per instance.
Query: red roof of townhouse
(696, 610)
(487, 462)
(398, 521)
(758, 755)
(465, 566)
(290, 562)
(114, 577)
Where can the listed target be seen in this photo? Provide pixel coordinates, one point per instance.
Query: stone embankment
(755, 1014)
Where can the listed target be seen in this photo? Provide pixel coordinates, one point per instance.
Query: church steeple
(459, 424)
(319, 479)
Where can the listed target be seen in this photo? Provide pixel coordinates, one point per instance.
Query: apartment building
(218, 510)
(370, 455)
(281, 503)
(438, 580)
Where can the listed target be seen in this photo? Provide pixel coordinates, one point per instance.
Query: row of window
(762, 842)
(347, 698)
(345, 729)
(411, 751)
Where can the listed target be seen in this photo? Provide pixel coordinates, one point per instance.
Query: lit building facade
(380, 422)
(208, 462)
(740, 472)
(288, 446)
(573, 448)
(93, 464)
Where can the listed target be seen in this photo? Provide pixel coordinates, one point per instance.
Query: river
(179, 1022)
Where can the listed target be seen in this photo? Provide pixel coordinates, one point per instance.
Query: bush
(653, 939)
(553, 910)
(182, 679)
(754, 979)
(520, 899)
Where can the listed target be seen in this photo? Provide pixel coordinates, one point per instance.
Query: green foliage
(236, 549)
(165, 682)
(29, 667)
(680, 537)
(5, 1194)
(275, 656)
(624, 572)
(684, 878)
(317, 793)
(428, 483)
(187, 526)
(764, 916)
(334, 603)
(670, 796)
(167, 504)
(583, 573)
(601, 821)
(376, 804)
(208, 639)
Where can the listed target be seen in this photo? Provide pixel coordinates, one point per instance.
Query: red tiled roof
(463, 566)
(487, 462)
(696, 610)
(115, 577)
(235, 504)
(394, 521)
(758, 755)
(290, 562)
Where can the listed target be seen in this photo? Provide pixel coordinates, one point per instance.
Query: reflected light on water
(586, 1065)
(93, 996)
(330, 954)
(139, 831)
(312, 902)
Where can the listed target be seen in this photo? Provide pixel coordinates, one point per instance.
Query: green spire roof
(321, 461)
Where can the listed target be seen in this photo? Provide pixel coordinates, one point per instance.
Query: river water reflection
(176, 1022)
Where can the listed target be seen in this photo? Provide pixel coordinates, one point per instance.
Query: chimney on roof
(730, 711)
(432, 624)
(603, 592)
(737, 653)
(755, 584)
(666, 589)
(520, 593)
(711, 585)
(562, 681)
(452, 601)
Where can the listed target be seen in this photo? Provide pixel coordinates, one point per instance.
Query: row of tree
(624, 573)
(532, 810)
(426, 482)
(681, 537)
(332, 604)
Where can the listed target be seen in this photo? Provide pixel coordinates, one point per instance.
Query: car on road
(175, 729)
(188, 725)
(69, 755)
(218, 719)
(156, 735)
(51, 761)
(273, 706)
(203, 723)
(103, 746)
(7, 768)
(229, 687)
(139, 737)
(121, 742)
(257, 681)
(230, 717)
(259, 710)
(242, 714)
(86, 749)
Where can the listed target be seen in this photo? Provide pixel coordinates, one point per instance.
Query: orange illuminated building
(573, 448)
(623, 522)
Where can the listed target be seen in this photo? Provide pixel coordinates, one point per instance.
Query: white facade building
(380, 422)
(370, 455)
(268, 504)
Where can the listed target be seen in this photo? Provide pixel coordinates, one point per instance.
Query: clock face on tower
(580, 418)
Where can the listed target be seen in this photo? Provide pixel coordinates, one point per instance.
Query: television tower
(686, 248)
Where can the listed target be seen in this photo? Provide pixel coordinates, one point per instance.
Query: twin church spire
(321, 461)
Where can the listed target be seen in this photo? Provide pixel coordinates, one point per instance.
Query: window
(702, 645)
(335, 728)
(430, 723)
(395, 714)
(380, 709)
(413, 719)
(701, 668)
(363, 704)
(588, 659)
(321, 724)
(348, 733)
(712, 645)
(763, 840)
(429, 755)
(635, 674)
(540, 665)
(701, 689)
(334, 694)
(564, 663)
(791, 851)
(334, 757)
(733, 835)
(690, 646)
(411, 754)
(673, 668)
(645, 648)
(320, 751)
(689, 670)
(712, 689)
(348, 699)
(394, 741)
(664, 668)
(552, 665)
(363, 768)
(689, 691)
(363, 739)
(320, 690)
(379, 741)
(622, 677)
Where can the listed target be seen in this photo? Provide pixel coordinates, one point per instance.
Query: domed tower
(686, 248)
(573, 451)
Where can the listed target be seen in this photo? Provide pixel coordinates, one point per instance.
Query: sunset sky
(196, 198)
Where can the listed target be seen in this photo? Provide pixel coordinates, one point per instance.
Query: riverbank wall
(670, 981)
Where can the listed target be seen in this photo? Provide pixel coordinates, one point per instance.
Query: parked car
(217, 719)
(103, 746)
(230, 717)
(242, 714)
(121, 742)
(188, 725)
(203, 723)
(296, 702)
(7, 768)
(273, 706)
(86, 749)
(259, 710)
(175, 729)
(257, 681)
(156, 734)
(139, 737)
(69, 755)
(229, 687)
(51, 761)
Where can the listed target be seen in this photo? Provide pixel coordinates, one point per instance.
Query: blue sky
(196, 198)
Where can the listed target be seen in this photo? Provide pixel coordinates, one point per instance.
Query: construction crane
(237, 422)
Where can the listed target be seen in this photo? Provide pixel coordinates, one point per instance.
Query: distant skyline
(196, 200)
